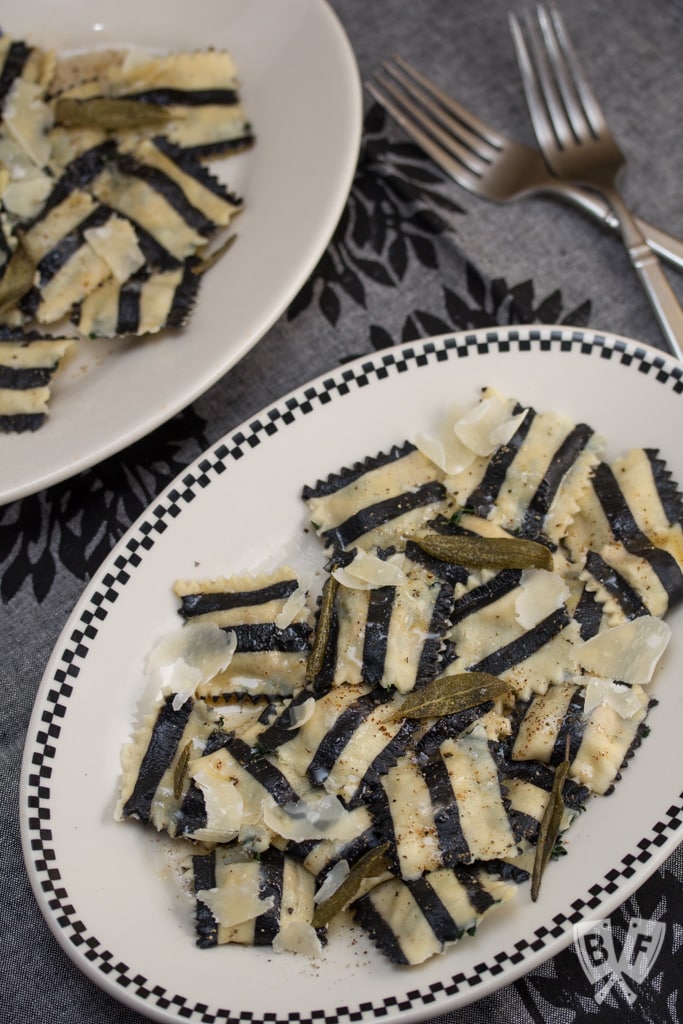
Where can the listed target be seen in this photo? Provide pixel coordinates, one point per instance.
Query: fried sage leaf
(372, 863)
(180, 769)
(213, 257)
(322, 631)
(450, 694)
(17, 279)
(486, 552)
(109, 115)
(550, 825)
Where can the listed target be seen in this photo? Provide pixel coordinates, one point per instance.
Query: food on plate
(27, 364)
(109, 215)
(405, 742)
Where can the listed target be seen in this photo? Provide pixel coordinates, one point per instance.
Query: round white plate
(301, 90)
(107, 889)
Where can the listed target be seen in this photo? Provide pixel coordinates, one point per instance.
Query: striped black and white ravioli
(153, 778)
(627, 539)
(532, 483)
(450, 809)
(237, 792)
(28, 363)
(109, 216)
(267, 901)
(20, 61)
(197, 92)
(269, 622)
(194, 772)
(601, 738)
(421, 706)
(117, 243)
(146, 302)
(172, 198)
(375, 502)
(411, 921)
(331, 861)
(528, 785)
(514, 624)
(346, 740)
(388, 620)
(73, 256)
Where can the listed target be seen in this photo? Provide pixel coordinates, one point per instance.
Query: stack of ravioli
(281, 748)
(107, 209)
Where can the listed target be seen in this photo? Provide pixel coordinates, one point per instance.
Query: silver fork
(480, 158)
(579, 147)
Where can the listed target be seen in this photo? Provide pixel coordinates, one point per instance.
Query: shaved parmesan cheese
(23, 186)
(297, 937)
(28, 120)
(292, 606)
(333, 880)
(238, 901)
(367, 571)
(299, 714)
(540, 594)
(488, 424)
(190, 656)
(223, 802)
(628, 652)
(447, 451)
(117, 244)
(325, 818)
(451, 455)
(625, 700)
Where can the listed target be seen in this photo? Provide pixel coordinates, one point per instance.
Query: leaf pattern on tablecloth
(400, 218)
(559, 991)
(395, 212)
(485, 304)
(56, 529)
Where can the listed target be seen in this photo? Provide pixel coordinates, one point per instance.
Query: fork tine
(460, 172)
(466, 117)
(413, 91)
(532, 87)
(543, 97)
(555, 34)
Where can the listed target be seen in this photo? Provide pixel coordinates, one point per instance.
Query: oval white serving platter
(109, 891)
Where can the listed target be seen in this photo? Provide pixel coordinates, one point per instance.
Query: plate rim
(347, 165)
(605, 894)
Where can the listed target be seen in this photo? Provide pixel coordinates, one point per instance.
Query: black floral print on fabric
(50, 530)
(399, 209)
(559, 991)
(396, 210)
(483, 304)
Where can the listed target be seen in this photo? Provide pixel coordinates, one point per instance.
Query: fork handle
(667, 246)
(662, 297)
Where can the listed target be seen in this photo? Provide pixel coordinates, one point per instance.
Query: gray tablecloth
(413, 255)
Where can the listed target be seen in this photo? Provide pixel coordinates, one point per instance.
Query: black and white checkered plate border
(121, 979)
